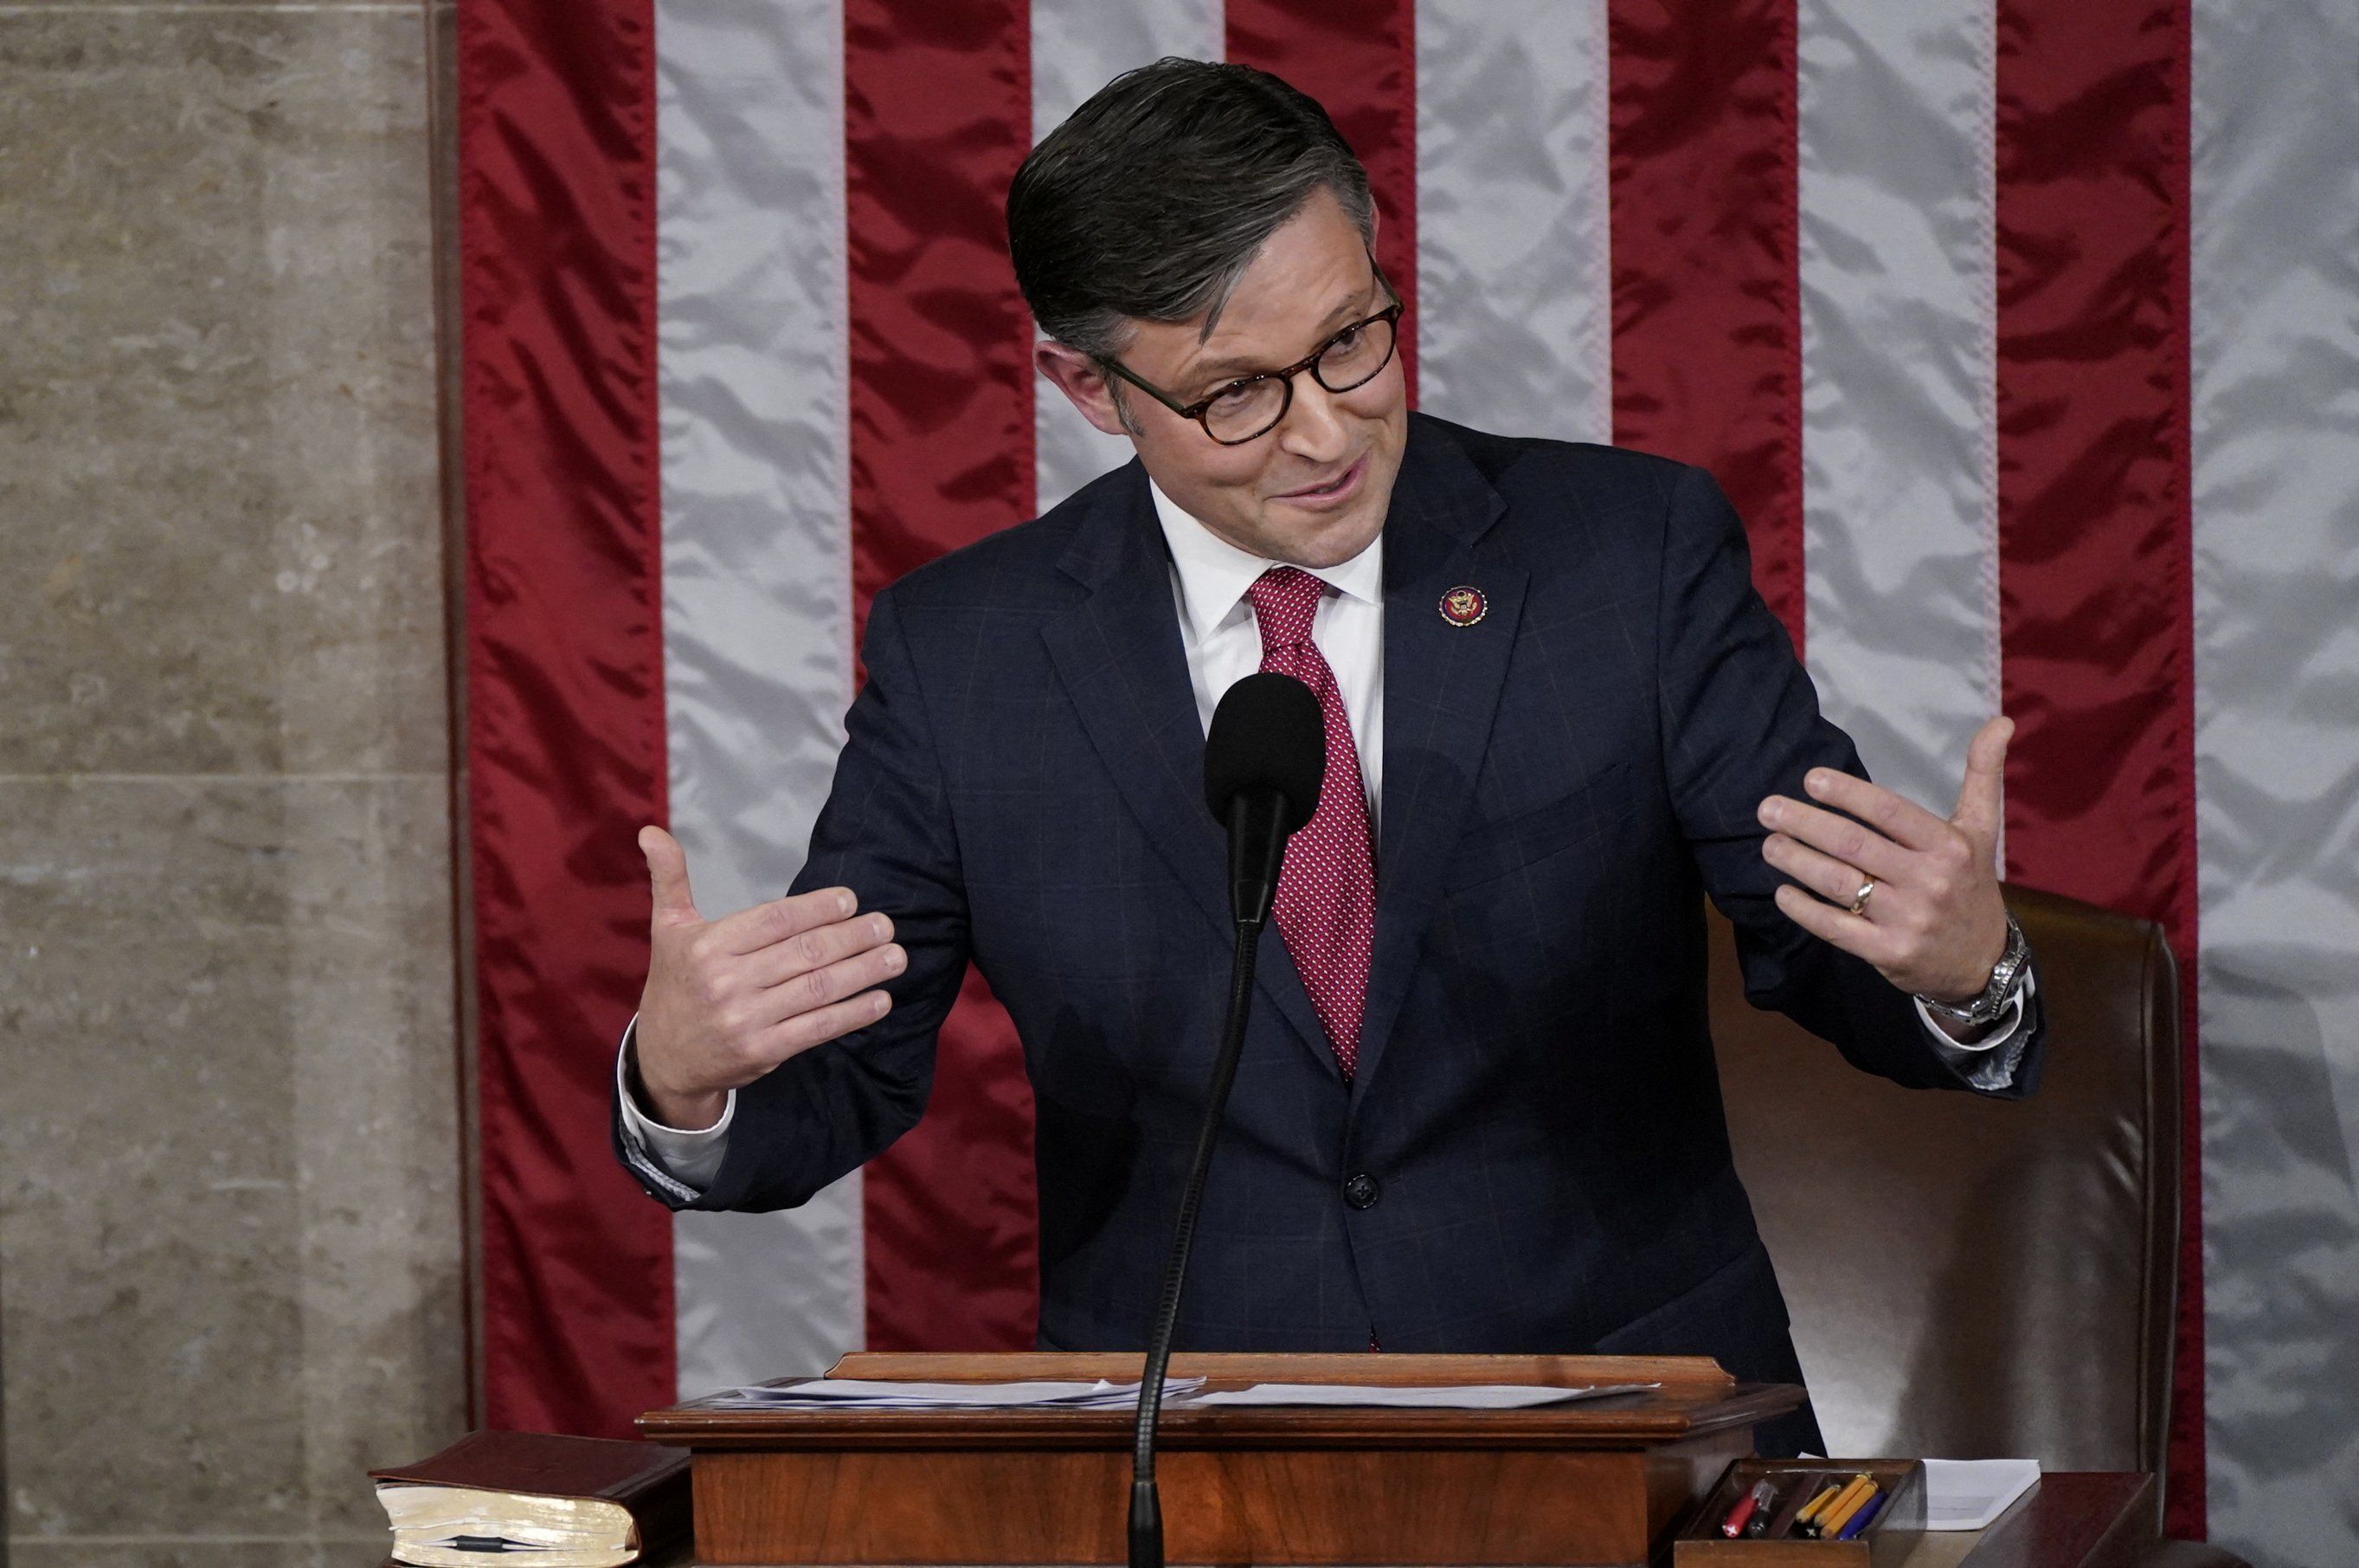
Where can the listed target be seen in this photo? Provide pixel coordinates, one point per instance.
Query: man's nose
(1314, 428)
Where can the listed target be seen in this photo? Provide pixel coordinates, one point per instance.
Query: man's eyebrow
(1221, 369)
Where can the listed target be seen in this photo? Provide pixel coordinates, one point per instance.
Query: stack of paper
(1967, 1494)
(869, 1394)
(1177, 1392)
(1449, 1397)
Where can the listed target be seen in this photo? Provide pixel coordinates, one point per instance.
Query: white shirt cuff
(1980, 1059)
(691, 1156)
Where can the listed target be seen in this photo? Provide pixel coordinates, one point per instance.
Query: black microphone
(1264, 759)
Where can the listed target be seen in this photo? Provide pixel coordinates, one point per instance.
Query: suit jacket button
(1362, 1192)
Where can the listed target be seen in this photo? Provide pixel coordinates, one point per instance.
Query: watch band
(2005, 976)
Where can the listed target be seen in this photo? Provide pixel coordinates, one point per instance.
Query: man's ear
(1084, 385)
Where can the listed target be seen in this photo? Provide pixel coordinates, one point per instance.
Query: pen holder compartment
(1885, 1542)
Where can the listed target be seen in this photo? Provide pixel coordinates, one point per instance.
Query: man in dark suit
(1477, 1108)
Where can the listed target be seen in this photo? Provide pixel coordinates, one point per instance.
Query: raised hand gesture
(727, 1001)
(1915, 895)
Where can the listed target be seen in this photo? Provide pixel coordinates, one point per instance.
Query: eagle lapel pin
(1462, 606)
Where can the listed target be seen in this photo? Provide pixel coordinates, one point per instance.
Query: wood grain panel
(1220, 1506)
(1595, 1482)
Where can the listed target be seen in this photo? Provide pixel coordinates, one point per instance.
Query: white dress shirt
(1223, 642)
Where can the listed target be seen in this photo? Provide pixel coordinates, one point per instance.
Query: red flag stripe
(938, 111)
(1707, 314)
(2096, 616)
(565, 723)
(1360, 62)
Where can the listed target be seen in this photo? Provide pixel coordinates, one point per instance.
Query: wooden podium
(1589, 1483)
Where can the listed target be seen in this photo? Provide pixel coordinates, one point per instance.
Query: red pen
(1759, 1497)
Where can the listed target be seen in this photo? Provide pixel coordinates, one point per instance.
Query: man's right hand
(727, 1001)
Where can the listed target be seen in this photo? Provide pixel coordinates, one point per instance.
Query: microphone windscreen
(1267, 733)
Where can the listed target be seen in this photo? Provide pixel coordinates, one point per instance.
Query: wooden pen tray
(1884, 1544)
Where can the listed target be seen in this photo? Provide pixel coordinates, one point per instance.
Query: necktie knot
(1284, 600)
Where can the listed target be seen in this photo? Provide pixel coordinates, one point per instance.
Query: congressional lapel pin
(1464, 607)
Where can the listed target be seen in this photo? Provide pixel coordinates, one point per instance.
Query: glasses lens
(1355, 359)
(1245, 410)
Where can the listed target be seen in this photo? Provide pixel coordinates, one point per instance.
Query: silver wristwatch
(2007, 974)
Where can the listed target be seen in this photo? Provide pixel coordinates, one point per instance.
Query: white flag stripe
(2275, 420)
(756, 573)
(1514, 322)
(1078, 46)
(1899, 423)
(1900, 503)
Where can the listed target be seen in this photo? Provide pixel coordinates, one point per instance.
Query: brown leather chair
(1967, 1277)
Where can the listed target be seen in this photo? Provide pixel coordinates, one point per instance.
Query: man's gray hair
(1153, 198)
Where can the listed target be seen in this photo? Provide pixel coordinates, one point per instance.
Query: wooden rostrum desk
(2069, 1519)
(1594, 1482)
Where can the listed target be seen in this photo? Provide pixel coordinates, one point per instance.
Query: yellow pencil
(1817, 1521)
(1820, 1503)
(1835, 1518)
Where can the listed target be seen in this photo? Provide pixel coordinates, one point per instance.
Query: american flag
(2025, 334)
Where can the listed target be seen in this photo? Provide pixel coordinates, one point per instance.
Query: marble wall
(231, 1249)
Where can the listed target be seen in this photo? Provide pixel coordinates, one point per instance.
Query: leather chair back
(1973, 1278)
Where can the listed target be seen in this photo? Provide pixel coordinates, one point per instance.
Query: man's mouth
(1333, 489)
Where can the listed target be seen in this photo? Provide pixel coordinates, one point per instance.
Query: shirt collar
(1214, 573)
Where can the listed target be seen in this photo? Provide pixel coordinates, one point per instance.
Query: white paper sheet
(1452, 1396)
(869, 1394)
(1967, 1494)
(872, 1394)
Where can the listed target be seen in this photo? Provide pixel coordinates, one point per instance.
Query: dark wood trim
(2075, 1519)
(1356, 1367)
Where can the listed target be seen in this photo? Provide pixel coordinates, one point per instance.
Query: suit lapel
(1441, 687)
(1119, 656)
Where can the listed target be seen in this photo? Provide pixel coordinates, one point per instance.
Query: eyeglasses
(1251, 405)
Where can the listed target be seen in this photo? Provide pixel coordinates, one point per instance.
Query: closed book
(680, 1556)
(562, 1502)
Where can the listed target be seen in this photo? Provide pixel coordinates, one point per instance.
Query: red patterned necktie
(1327, 890)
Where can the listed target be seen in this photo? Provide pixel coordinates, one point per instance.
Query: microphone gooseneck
(1265, 760)
(1145, 1507)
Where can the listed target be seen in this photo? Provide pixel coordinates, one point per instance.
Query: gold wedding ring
(1859, 900)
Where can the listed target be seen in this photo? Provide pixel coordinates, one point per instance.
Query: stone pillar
(230, 1255)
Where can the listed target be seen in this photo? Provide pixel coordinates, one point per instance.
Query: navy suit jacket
(1537, 1114)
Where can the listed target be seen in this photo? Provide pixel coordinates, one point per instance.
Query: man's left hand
(1933, 922)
